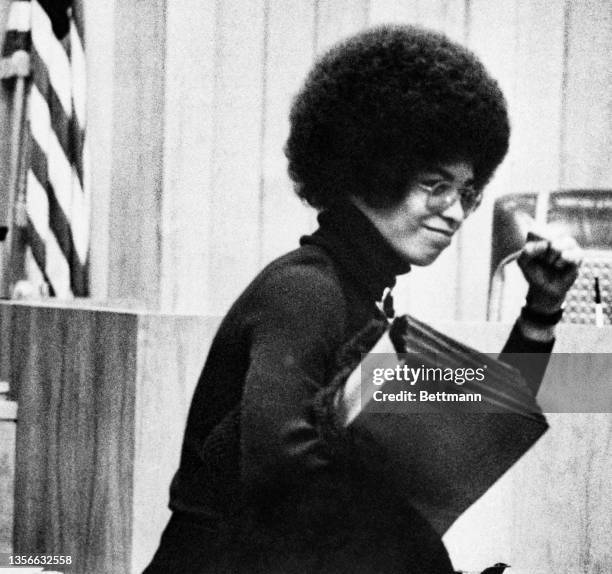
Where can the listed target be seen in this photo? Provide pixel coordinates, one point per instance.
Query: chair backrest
(585, 214)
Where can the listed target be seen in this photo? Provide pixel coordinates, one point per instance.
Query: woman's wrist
(538, 319)
(544, 304)
(535, 332)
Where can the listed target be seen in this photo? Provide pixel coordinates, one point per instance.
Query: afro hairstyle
(385, 104)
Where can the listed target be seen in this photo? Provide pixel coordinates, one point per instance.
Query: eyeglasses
(443, 194)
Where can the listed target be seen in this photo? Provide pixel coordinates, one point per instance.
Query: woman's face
(417, 233)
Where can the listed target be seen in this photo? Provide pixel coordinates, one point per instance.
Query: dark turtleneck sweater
(257, 470)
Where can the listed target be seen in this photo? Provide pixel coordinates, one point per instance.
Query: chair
(586, 214)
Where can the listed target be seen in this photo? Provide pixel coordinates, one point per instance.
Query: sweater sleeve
(295, 331)
(528, 356)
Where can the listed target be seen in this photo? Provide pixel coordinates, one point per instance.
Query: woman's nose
(454, 212)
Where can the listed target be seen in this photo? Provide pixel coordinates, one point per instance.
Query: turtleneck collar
(353, 241)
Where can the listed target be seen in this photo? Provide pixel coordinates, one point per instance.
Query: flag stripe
(19, 16)
(56, 267)
(38, 162)
(80, 225)
(66, 128)
(37, 245)
(17, 35)
(57, 175)
(15, 41)
(79, 75)
(52, 52)
(56, 12)
(58, 221)
(60, 237)
(39, 120)
(62, 231)
(37, 206)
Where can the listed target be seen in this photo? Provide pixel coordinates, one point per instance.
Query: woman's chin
(424, 258)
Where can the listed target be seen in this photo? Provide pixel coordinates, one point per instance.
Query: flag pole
(18, 68)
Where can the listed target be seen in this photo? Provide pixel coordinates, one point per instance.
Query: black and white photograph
(306, 286)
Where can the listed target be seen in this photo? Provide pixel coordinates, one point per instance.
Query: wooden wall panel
(236, 177)
(337, 19)
(536, 106)
(448, 16)
(7, 476)
(549, 512)
(587, 121)
(392, 11)
(566, 527)
(32, 472)
(103, 398)
(171, 354)
(188, 148)
(100, 55)
(289, 55)
(138, 105)
(75, 434)
(98, 383)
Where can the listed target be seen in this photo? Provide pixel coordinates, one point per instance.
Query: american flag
(57, 200)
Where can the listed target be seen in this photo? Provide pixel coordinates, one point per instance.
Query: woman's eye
(432, 182)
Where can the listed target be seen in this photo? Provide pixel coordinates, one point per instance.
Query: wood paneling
(171, 353)
(560, 508)
(235, 223)
(337, 19)
(103, 398)
(7, 473)
(549, 513)
(393, 11)
(100, 54)
(188, 148)
(289, 54)
(587, 118)
(536, 105)
(75, 382)
(448, 16)
(135, 225)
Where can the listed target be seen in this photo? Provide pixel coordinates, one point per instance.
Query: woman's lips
(446, 233)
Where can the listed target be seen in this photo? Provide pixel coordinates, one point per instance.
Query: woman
(393, 138)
